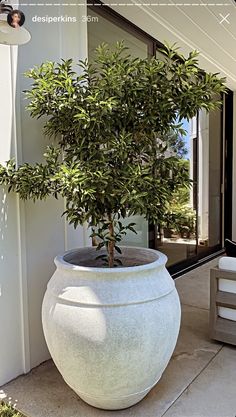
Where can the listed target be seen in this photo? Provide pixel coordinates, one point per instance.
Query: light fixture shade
(13, 36)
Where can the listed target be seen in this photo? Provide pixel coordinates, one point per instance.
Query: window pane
(176, 237)
(102, 30)
(209, 195)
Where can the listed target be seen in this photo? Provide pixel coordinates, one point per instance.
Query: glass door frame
(227, 175)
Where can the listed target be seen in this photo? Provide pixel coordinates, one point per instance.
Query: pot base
(112, 404)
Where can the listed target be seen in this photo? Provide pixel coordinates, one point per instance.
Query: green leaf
(118, 249)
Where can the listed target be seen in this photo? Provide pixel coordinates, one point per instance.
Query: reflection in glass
(176, 236)
(102, 30)
(193, 220)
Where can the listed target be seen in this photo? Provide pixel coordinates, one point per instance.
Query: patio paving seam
(193, 380)
(191, 305)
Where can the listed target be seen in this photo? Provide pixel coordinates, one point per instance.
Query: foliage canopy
(113, 119)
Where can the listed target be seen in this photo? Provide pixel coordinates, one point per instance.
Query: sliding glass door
(193, 227)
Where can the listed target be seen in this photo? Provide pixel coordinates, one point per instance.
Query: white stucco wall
(12, 359)
(30, 234)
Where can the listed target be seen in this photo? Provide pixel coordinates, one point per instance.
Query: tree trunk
(111, 244)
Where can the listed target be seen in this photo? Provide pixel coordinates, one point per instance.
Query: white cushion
(227, 313)
(228, 263)
(227, 285)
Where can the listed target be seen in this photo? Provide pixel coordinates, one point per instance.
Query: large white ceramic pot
(111, 332)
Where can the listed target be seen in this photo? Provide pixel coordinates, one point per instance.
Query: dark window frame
(228, 178)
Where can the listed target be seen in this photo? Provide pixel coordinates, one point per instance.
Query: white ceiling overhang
(206, 25)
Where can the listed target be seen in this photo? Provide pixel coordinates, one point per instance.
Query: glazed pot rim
(61, 263)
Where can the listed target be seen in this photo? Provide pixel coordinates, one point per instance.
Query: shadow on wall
(3, 222)
(10, 292)
(8, 240)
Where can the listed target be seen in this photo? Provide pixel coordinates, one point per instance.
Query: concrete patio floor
(200, 380)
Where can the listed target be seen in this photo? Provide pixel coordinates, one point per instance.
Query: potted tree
(111, 314)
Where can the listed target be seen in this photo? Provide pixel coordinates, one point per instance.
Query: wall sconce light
(11, 22)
